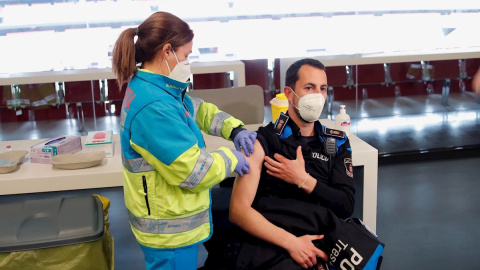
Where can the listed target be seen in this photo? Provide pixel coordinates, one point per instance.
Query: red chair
(114, 91)
(404, 72)
(115, 96)
(80, 95)
(211, 81)
(58, 111)
(40, 98)
(6, 95)
(11, 115)
(81, 91)
(338, 83)
(257, 73)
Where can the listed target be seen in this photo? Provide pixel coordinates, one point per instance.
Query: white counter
(35, 177)
(238, 67)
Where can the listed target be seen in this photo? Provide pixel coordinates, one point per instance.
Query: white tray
(10, 160)
(79, 160)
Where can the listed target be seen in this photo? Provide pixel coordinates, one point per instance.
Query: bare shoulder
(245, 187)
(258, 154)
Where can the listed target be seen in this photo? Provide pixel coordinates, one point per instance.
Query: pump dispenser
(342, 121)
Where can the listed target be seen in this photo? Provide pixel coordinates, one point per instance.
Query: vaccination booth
(376, 55)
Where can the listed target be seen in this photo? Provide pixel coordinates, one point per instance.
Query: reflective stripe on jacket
(167, 171)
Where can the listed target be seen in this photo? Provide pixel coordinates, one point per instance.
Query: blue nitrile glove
(242, 165)
(245, 139)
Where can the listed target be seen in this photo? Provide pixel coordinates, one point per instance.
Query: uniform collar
(296, 130)
(169, 85)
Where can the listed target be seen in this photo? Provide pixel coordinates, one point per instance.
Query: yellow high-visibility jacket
(167, 171)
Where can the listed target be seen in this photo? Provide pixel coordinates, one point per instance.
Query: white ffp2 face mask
(310, 106)
(181, 72)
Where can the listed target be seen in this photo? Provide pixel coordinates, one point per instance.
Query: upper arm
(245, 187)
(213, 121)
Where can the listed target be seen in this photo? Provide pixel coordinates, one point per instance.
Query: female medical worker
(167, 171)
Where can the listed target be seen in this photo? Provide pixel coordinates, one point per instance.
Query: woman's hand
(244, 140)
(304, 252)
(290, 171)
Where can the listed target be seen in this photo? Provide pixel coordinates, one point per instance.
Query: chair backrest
(245, 103)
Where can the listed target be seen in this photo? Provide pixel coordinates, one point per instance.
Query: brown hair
(292, 72)
(156, 31)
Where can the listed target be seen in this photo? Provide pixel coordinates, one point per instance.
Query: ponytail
(123, 61)
(152, 34)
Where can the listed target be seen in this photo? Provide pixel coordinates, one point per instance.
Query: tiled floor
(427, 210)
(428, 214)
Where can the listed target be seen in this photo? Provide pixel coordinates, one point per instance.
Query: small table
(35, 177)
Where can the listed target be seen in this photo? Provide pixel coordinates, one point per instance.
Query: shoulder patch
(348, 167)
(281, 123)
(334, 133)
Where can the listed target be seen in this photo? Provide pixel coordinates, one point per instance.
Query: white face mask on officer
(310, 106)
(181, 72)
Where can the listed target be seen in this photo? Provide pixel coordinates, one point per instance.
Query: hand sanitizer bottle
(342, 121)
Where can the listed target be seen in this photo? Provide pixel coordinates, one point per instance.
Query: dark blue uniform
(334, 189)
(328, 159)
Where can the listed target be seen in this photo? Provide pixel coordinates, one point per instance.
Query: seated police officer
(295, 160)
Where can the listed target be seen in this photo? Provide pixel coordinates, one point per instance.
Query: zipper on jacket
(145, 189)
(183, 97)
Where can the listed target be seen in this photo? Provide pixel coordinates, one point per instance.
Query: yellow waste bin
(279, 104)
(56, 233)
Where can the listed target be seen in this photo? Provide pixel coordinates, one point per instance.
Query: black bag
(360, 248)
(349, 244)
(344, 241)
